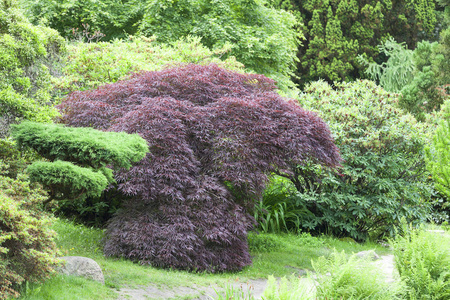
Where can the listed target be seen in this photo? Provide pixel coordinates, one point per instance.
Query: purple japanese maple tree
(214, 136)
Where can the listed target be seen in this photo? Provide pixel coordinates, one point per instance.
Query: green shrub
(26, 56)
(84, 146)
(68, 181)
(423, 261)
(419, 75)
(90, 65)
(27, 250)
(292, 288)
(79, 185)
(397, 71)
(383, 177)
(337, 31)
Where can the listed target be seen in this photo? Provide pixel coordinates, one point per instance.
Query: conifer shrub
(383, 176)
(337, 31)
(27, 250)
(80, 160)
(214, 136)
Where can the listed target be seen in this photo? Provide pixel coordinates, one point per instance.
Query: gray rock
(369, 255)
(82, 266)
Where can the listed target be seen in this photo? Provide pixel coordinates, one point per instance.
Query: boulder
(369, 255)
(82, 266)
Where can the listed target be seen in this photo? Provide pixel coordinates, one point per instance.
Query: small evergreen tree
(79, 157)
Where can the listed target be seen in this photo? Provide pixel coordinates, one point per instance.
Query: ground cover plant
(214, 136)
(384, 177)
(422, 260)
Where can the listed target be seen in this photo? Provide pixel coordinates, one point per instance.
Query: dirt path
(255, 287)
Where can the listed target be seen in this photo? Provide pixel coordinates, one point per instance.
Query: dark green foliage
(84, 146)
(337, 31)
(383, 177)
(27, 250)
(262, 38)
(26, 55)
(418, 75)
(66, 180)
(114, 18)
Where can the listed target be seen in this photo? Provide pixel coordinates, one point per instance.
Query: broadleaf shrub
(89, 65)
(27, 54)
(214, 137)
(27, 250)
(383, 177)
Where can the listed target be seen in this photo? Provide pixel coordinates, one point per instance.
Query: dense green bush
(423, 261)
(86, 147)
(90, 65)
(26, 53)
(27, 250)
(114, 18)
(262, 38)
(383, 177)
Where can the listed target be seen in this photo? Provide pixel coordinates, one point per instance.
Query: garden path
(255, 287)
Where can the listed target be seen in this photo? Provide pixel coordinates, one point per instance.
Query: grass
(277, 255)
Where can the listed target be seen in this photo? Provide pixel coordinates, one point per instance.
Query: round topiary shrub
(214, 136)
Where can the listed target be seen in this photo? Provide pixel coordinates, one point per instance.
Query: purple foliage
(214, 136)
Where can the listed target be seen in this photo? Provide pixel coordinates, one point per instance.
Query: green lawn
(277, 255)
